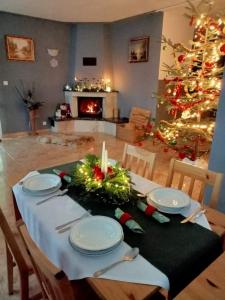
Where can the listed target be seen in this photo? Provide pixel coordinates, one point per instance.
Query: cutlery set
(59, 193)
(66, 226)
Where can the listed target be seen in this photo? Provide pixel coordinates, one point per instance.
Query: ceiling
(86, 10)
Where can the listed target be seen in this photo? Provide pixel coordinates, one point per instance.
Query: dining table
(171, 254)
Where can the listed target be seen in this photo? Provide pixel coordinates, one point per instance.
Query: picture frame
(138, 49)
(19, 48)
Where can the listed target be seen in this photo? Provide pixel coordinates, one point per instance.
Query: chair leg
(10, 265)
(24, 286)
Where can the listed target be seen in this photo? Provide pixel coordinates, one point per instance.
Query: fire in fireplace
(89, 107)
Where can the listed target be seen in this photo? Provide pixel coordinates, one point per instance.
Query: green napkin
(130, 223)
(63, 175)
(151, 212)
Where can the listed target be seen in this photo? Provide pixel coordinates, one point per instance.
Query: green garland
(114, 187)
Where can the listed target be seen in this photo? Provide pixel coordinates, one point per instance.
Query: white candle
(103, 157)
(106, 162)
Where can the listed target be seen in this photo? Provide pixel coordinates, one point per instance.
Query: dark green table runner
(181, 251)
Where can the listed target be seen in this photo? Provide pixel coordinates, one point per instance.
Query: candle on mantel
(103, 157)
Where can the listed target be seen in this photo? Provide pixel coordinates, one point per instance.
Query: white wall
(176, 27)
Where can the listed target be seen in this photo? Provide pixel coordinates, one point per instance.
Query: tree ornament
(222, 49)
(181, 58)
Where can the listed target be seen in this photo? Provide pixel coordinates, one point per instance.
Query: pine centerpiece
(106, 183)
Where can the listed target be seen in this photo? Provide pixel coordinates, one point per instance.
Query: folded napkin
(62, 175)
(127, 219)
(150, 210)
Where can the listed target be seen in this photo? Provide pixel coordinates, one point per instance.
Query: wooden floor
(20, 155)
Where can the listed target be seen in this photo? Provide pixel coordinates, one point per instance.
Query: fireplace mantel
(109, 102)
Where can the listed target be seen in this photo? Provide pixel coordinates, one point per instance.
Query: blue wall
(107, 42)
(48, 81)
(136, 81)
(217, 155)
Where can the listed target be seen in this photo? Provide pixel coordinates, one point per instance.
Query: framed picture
(19, 48)
(138, 49)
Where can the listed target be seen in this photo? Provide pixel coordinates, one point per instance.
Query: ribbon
(125, 217)
(150, 210)
(62, 174)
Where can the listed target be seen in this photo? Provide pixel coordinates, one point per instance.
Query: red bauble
(99, 175)
(222, 49)
(182, 155)
(209, 65)
(181, 58)
(110, 170)
(96, 169)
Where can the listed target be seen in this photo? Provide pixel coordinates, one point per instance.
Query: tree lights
(193, 83)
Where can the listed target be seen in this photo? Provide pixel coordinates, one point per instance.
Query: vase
(32, 118)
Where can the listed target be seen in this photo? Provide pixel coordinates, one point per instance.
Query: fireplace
(89, 107)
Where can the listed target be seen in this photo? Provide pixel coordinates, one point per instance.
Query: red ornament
(209, 65)
(182, 155)
(222, 49)
(165, 150)
(181, 58)
(98, 174)
(110, 170)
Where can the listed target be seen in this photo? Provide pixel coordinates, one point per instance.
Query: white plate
(43, 193)
(41, 183)
(97, 233)
(168, 199)
(100, 252)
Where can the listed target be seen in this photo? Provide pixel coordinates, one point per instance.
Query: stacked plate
(168, 200)
(41, 184)
(96, 235)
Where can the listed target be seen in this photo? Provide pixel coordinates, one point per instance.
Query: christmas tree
(193, 84)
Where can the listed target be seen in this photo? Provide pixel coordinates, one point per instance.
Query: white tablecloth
(41, 221)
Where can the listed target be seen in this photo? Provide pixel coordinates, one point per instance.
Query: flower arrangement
(27, 97)
(109, 183)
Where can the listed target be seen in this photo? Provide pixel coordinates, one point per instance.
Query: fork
(65, 226)
(60, 193)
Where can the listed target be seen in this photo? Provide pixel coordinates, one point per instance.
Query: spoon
(129, 256)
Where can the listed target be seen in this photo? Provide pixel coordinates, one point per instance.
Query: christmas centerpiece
(105, 182)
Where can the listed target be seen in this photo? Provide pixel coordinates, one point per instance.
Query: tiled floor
(20, 155)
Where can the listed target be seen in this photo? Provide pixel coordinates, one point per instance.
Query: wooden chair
(15, 250)
(135, 129)
(209, 285)
(192, 179)
(196, 175)
(139, 161)
(54, 282)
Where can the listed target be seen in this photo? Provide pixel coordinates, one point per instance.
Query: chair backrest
(138, 160)
(193, 178)
(54, 282)
(12, 243)
(139, 117)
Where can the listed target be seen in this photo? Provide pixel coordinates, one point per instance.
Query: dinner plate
(42, 184)
(168, 200)
(96, 233)
(93, 253)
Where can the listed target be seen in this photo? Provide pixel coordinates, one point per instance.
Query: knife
(189, 218)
